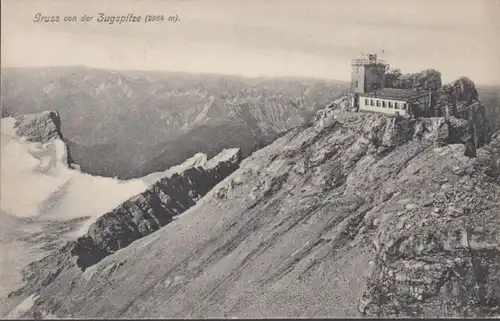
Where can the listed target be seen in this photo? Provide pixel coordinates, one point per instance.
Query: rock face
(460, 92)
(460, 99)
(360, 215)
(40, 128)
(446, 262)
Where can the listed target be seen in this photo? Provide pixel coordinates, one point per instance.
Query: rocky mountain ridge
(353, 214)
(149, 211)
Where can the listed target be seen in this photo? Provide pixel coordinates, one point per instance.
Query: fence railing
(358, 62)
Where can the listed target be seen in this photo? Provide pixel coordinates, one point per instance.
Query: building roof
(395, 93)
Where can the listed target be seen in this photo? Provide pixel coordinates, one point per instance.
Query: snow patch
(224, 156)
(199, 159)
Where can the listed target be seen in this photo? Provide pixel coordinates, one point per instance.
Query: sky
(307, 38)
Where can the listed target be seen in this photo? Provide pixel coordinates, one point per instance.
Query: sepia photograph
(225, 159)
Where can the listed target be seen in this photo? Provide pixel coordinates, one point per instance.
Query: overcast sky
(312, 38)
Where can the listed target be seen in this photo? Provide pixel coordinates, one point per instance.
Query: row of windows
(383, 103)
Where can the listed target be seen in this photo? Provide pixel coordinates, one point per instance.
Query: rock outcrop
(41, 128)
(429, 78)
(440, 257)
(460, 99)
(362, 215)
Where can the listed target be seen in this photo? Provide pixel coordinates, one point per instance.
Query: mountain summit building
(369, 94)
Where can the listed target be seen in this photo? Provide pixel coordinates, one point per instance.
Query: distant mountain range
(131, 123)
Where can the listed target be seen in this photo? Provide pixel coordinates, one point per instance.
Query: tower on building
(368, 74)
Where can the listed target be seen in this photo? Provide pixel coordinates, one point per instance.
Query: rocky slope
(138, 217)
(356, 214)
(36, 221)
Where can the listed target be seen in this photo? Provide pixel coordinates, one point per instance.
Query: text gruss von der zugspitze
(104, 18)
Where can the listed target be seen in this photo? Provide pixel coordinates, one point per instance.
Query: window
(366, 102)
(390, 104)
(404, 106)
(371, 102)
(396, 105)
(378, 103)
(383, 103)
(356, 84)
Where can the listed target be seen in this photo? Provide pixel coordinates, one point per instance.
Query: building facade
(394, 101)
(368, 92)
(387, 106)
